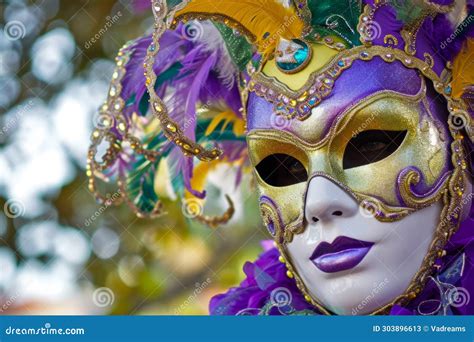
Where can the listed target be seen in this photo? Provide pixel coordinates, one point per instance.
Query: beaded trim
(216, 221)
(172, 131)
(298, 104)
(110, 119)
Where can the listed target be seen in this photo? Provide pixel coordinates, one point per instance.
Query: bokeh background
(61, 252)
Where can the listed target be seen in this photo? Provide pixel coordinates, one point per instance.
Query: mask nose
(326, 201)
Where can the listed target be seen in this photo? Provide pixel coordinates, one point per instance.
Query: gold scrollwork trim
(273, 90)
(216, 221)
(411, 178)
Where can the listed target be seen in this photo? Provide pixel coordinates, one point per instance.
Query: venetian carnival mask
(357, 127)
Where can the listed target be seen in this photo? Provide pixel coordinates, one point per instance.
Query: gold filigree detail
(270, 216)
(305, 14)
(283, 98)
(412, 178)
(390, 40)
(429, 59)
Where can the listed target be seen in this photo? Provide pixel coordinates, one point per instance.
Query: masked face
(352, 194)
(351, 262)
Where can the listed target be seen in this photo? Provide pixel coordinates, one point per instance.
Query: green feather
(408, 11)
(173, 3)
(140, 184)
(218, 134)
(239, 48)
(336, 17)
(166, 75)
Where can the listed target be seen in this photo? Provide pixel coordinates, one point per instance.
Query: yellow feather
(463, 69)
(228, 117)
(200, 173)
(265, 20)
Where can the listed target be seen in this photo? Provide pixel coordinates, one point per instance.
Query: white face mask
(369, 263)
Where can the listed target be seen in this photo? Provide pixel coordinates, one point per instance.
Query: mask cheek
(281, 209)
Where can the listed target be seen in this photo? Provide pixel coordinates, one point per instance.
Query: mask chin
(349, 261)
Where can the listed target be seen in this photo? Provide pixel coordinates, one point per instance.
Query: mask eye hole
(371, 146)
(281, 170)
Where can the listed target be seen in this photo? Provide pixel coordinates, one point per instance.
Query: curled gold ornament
(216, 221)
(411, 178)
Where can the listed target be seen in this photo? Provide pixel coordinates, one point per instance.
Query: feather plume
(408, 11)
(265, 20)
(463, 69)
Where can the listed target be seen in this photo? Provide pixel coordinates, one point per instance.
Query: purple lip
(343, 254)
